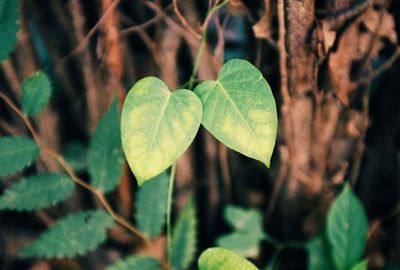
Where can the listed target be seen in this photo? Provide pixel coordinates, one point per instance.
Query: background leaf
(105, 153)
(136, 263)
(36, 192)
(75, 153)
(248, 231)
(223, 259)
(151, 206)
(240, 110)
(347, 229)
(157, 126)
(184, 240)
(319, 254)
(73, 235)
(16, 153)
(8, 24)
(36, 93)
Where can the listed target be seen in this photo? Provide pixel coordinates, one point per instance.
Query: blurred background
(334, 69)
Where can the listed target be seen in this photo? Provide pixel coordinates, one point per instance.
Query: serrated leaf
(363, 265)
(347, 229)
(36, 192)
(157, 126)
(223, 259)
(136, 263)
(16, 153)
(240, 111)
(75, 153)
(319, 254)
(248, 231)
(184, 240)
(9, 16)
(73, 235)
(105, 153)
(36, 93)
(151, 206)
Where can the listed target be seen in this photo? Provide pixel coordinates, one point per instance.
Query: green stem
(169, 210)
(203, 43)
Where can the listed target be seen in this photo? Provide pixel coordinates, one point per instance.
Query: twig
(184, 21)
(68, 169)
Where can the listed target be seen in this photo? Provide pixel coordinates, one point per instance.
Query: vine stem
(75, 178)
(169, 209)
(203, 42)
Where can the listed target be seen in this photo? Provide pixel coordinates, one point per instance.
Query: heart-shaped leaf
(240, 111)
(157, 126)
(223, 259)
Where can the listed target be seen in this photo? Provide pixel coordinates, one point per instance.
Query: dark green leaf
(36, 192)
(151, 206)
(9, 16)
(136, 263)
(73, 235)
(36, 93)
(247, 234)
(105, 153)
(184, 238)
(347, 229)
(319, 254)
(75, 153)
(16, 153)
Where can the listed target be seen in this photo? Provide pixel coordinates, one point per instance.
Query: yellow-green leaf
(240, 111)
(223, 259)
(157, 126)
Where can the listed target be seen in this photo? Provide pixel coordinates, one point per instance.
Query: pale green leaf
(151, 205)
(9, 16)
(248, 231)
(36, 192)
(75, 153)
(363, 265)
(319, 254)
(16, 153)
(240, 111)
(105, 153)
(157, 126)
(36, 93)
(136, 263)
(223, 259)
(73, 235)
(184, 242)
(347, 229)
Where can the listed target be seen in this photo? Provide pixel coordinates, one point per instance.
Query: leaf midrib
(237, 109)
(159, 123)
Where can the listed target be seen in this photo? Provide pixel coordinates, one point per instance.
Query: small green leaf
(184, 240)
(157, 126)
(247, 234)
(105, 153)
(136, 263)
(36, 93)
(75, 153)
(151, 206)
(9, 16)
(73, 235)
(240, 110)
(16, 153)
(223, 259)
(363, 265)
(319, 254)
(347, 229)
(36, 192)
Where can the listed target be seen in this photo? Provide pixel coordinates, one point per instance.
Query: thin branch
(184, 22)
(68, 169)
